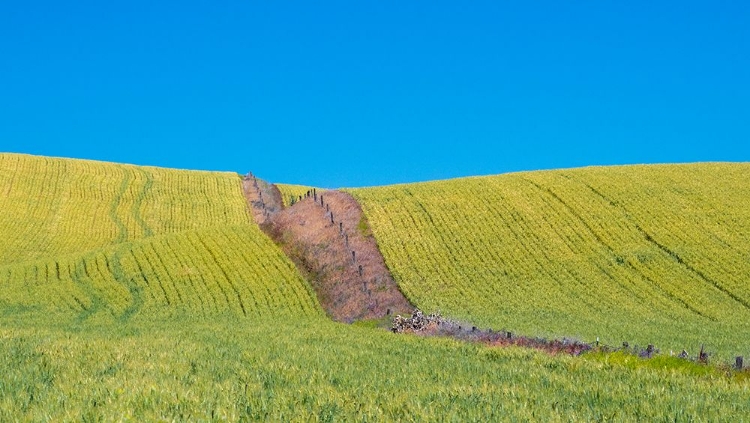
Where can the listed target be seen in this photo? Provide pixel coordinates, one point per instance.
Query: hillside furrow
(691, 269)
(159, 275)
(139, 201)
(671, 254)
(122, 229)
(615, 255)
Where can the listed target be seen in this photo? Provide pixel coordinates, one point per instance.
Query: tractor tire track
(138, 203)
(122, 229)
(676, 257)
(614, 254)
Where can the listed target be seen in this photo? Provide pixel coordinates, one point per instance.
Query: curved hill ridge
(54, 206)
(104, 239)
(646, 254)
(150, 293)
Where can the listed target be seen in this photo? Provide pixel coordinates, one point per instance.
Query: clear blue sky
(356, 93)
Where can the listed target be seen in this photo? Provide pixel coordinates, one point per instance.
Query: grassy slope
(150, 326)
(316, 370)
(94, 238)
(224, 269)
(54, 206)
(645, 254)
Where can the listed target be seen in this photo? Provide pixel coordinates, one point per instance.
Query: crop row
(229, 269)
(704, 228)
(585, 253)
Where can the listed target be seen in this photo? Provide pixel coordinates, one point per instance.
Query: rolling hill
(643, 254)
(147, 294)
(54, 206)
(224, 269)
(89, 238)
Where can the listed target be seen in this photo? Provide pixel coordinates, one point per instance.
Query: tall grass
(312, 369)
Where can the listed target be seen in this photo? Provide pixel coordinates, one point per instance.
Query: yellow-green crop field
(141, 294)
(290, 192)
(53, 207)
(643, 254)
(224, 269)
(120, 240)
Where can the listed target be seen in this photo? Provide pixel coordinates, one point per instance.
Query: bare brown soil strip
(329, 239)
(264, 198)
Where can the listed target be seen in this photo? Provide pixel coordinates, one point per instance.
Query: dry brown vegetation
(263, 198)
(329, 239)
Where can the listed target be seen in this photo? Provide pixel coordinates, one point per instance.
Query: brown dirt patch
(331, 243)
(264, 198)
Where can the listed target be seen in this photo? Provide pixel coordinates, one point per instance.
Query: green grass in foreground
(52, 368)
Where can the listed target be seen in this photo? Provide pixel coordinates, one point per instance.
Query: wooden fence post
(703, 356)
(354, 256)
(360, 270)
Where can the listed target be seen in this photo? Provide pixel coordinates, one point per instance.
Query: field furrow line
(210, 283)
(692, 269)
(150, 277)
(632, 284)
(644, 297)
(663, 248)
(122, 229)
(517, 225)
(139, 278)
(267, 281)
(173, 271)
(162, 275)
(137, 210)
(82, 279)
(225, 274)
